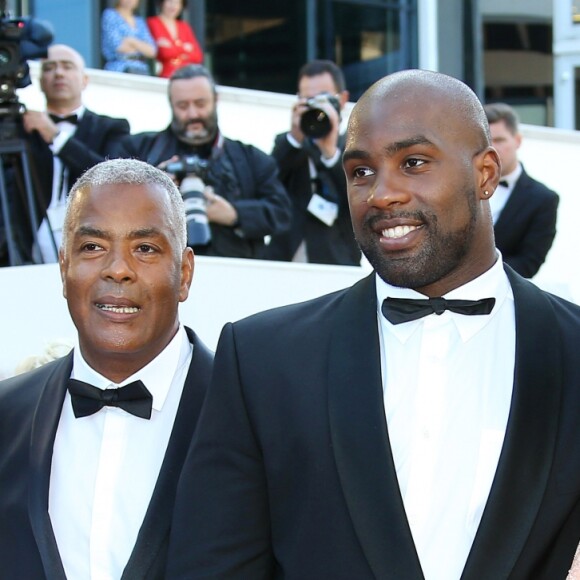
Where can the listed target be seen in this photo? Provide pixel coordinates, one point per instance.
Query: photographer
(230, 185)
(309, 158)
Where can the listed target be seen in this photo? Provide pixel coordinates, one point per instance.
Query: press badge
(326, 211)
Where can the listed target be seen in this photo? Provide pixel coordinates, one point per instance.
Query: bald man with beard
(421, 424)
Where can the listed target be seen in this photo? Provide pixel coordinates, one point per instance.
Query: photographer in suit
(309, 158)
(524, 211)
(92, 444)
(63, 142)
(230, 185)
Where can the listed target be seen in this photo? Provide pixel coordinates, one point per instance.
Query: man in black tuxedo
(232, 185)
(63, 141)
(421, 424)
(524, 211)
(311, 171)
(92, 444)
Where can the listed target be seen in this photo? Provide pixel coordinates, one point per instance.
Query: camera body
(314, 122)
(188, 165)
(20, 39)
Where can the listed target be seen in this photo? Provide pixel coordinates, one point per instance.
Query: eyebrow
(391, 149)
(90, 231)
(63, 61)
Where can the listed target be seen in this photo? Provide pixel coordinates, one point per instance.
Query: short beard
(206, 135)
(440, 254)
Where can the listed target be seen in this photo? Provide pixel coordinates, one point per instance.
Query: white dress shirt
(105, 466)
(502, 193)
(447, 383)
(60, 187)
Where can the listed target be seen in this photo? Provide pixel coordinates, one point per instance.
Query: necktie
(504, 183)
(134, 398)
(399, 310)
(68, 119)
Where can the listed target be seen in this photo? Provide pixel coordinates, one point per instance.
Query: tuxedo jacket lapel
(530, 439)
(513, 210)
(45, 423)
(85, 127)
(147, 559)
(360, 438)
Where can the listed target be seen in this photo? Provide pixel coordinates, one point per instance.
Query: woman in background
(125, 39)
(176, 42)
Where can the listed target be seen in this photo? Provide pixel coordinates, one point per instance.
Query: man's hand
(41, 122)
(219, 210)
(328, 144)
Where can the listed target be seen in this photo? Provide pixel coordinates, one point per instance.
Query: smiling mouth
(398, 231)
(118, 309)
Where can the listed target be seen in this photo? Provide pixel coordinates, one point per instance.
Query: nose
(388, 189)
(118, 266)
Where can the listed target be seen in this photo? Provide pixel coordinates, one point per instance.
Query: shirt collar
(79, 112)
(512, 177)
(492, 283)
(154, 375)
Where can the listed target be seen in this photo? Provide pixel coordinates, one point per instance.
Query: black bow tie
(134, 398)
(504, 183)
(68, 119)
(399, 310)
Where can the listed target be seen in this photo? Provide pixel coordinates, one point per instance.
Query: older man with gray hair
(92, 444)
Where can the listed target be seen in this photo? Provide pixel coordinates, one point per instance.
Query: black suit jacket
(94, 141)
(30, 407)
(526, 227)
(324, 244)
(261, 202)
(291, 474)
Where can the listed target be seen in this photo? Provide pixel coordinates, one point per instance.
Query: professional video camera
(20, 39)
(315, 122)
(193, 172)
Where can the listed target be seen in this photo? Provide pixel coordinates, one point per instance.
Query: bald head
(64, 52)
(63, 78)
(452, 103)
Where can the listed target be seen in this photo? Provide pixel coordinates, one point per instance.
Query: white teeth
(119, 309)
(398, 232)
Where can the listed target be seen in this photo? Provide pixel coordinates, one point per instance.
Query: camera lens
(198, 229)
(315, 123)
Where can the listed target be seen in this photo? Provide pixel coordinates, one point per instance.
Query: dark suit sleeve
(79, 154)
(531, 250)
(221, 527)
(264, 208)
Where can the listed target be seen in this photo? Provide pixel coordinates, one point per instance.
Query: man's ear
(343, 98)
(488, 166)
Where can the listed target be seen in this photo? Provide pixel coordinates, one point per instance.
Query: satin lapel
(360, 439)
(154, 531)
(85, 127)
(530, 439)
(44, 425)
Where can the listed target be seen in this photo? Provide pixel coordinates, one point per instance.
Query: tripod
(12, 145)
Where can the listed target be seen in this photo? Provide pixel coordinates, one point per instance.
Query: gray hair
(134, 172)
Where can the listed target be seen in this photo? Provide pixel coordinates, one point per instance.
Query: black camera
(314, 122)
(20, 39)
(188, 165)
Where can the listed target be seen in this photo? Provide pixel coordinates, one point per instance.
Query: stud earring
(486, 193)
